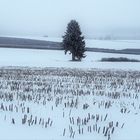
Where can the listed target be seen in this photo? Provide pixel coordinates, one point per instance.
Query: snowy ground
(113, 44)
(38, 103)
(51, 58)
(65, 104)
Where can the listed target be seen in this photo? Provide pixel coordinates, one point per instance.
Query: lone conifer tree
(73, 41)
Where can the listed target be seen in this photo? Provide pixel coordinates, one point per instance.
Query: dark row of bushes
(120, 59)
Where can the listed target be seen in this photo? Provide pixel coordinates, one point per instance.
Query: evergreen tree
(73, 41)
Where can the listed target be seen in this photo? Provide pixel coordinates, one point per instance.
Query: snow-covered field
(51, 58)
(113, 44)
(71, 100)
(62, 104)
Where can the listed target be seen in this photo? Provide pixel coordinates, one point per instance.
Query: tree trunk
(73, 57)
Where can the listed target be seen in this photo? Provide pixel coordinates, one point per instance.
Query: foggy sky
(50, 17)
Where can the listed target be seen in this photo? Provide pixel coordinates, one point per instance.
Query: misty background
(97, 18)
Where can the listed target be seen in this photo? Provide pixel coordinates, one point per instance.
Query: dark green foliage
(73, 41)
(120, 59)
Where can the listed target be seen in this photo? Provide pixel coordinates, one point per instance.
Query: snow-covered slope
(91, 43)
(113, 44)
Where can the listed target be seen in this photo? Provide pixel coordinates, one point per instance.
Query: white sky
(50, 17)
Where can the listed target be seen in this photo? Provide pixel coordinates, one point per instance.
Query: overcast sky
(50, 17)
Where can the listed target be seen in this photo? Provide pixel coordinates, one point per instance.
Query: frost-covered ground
(73, 100)
(51, 58)
(63, 104)
(91, 43)
(113, 44)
